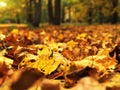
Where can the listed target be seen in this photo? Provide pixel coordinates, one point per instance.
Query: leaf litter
(57, 59)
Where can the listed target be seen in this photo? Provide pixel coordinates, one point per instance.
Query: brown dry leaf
(5, 66)
(50, 85)
(88, 83)
(3, 59)
(112, 82)
(3, 73)
(26, 79)
(3, 70)
(68, 54)
(73, 77)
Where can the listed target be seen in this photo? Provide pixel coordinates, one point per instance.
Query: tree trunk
(29, 16)
(114, 16)
(69, 9)
(57, 15)
(37, 13)
(89, 15)
(50, 12)
(100, 15)
(54, 16)
(17, 18)
(62, 13)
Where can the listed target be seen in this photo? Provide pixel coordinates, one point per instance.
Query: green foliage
(13, 7)
(100, 10)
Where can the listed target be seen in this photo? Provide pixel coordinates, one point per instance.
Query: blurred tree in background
(114, 15)
(36, 12)
(54, 12)
(33, 12)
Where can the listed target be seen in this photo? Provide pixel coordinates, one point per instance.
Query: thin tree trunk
(50, 12)
(62, 13)
(69, 10)
(57, 15)
(29, 16)
(37, 13)
(89, 15)
(114, 16)
(100, 15)
(17, 18)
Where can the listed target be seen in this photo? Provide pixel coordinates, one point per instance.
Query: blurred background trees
(36, 12)
(54, 12)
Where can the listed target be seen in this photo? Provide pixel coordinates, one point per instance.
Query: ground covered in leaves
(60, 58)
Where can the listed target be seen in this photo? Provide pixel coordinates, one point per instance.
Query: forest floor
(59, 58)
